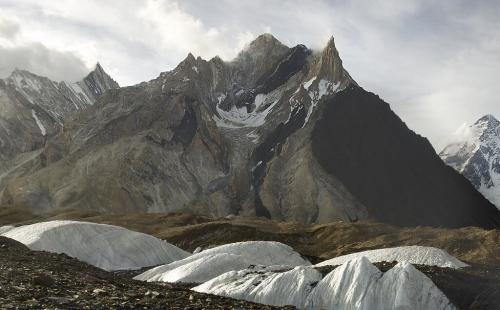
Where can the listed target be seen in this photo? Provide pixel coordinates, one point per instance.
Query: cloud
(8, 28)
(38, 59)
(436, 62)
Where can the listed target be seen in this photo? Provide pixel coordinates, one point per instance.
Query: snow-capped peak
(475, 152)
(488, 118)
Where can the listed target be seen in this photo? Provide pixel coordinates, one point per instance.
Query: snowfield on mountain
(357, 284)
(104, 246)
(210, 263)
(420, 255)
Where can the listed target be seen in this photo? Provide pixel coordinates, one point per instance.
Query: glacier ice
(413, 254)
(357, 284)
(210, 263)
(104, 246)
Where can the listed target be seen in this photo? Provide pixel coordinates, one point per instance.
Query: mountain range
(280, 132)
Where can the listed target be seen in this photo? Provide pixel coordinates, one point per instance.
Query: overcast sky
(436, 62)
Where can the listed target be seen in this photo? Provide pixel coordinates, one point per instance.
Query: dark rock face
(394, 172)
(292, 63)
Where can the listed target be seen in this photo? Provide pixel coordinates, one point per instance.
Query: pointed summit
(487, 126)
(190, 58)
(331, 44)
(488, 119)
(188, 62)
(97, 82)
(265, 39)
(258, 57)
(329, 65)
(101, 77)
(265, 44)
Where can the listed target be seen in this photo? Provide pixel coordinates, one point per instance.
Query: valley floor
(30, 279)
(317, 242)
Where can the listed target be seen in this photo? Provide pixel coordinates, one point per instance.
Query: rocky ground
(40, 280)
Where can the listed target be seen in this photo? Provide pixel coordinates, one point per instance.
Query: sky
(436, 62)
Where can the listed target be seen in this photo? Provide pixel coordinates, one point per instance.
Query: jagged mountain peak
(96, 82)
(265, 40)
(330, 45)
(35, 107)
(328, 65)
(99, 72)
(264, 45)
(480, 130)
(189, 58)
(487, 123)
(21, 74)
(488, 118)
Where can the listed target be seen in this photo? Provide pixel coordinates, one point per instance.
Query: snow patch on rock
(240, 117)
(324, 88)
(104, 246)
(420, 255)
(39, 123)
(308, 84)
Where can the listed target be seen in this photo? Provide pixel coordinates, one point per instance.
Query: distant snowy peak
(475, 152)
